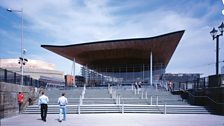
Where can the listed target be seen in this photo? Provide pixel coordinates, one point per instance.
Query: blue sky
(64, 22)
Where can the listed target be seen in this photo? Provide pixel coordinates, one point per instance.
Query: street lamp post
(22, 60)
(216, 36)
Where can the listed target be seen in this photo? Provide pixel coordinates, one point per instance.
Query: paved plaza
(117, 120)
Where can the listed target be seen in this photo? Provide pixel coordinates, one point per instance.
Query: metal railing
(217, 103)
(15, 78)
(199, 83)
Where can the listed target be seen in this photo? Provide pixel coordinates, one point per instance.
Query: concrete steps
(98, 100)
(111, 108)
(188, 110)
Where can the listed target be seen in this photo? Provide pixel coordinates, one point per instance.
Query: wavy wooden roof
(121, 52)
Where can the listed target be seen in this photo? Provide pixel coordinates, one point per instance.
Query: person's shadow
(58, 120)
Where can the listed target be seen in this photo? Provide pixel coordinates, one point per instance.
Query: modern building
(122, 61)
(179, 78)
(36, 69)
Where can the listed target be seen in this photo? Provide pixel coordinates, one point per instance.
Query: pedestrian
(43, 101)
(20, 98)
(136, 85)
(62, 101)
(140, 84)
(170, 86)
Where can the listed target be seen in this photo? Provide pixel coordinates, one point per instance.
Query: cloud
(69, 22)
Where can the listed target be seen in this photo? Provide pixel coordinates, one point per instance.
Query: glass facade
(122, 75)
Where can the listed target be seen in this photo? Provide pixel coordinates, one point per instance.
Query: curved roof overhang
(134, 51)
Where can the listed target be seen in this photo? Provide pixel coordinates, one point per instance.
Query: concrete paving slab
(117, 120)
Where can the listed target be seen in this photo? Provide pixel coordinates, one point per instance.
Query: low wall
(216, 94)
(8, 98)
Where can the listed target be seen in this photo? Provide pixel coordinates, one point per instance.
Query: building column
(151, 68)
(74, 72)
(143, 74)
(133, 73)
(126, 74)
(86, 72)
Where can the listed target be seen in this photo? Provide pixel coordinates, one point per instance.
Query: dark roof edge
(105, 41)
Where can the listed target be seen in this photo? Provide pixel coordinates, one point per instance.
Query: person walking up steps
(62, 101)
(43, 101)
(20, 98)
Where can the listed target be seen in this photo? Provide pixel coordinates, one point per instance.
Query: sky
(64, 22)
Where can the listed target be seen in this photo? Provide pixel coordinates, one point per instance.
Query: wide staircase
(124, 99)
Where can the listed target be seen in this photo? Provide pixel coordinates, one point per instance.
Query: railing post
(204, 82)
(146, 96)
(5, 73)
(157, 98)
(122, 109)
(83, 93)
(14, 79)
(79, 109)
(142, 96)
(25, 81)
(151, 100)
(80, 100)
(119, 99)
(84, 88)
(165, 108)
(114, 95)
(110, 90)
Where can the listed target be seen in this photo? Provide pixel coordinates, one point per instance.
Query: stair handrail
(202, 97)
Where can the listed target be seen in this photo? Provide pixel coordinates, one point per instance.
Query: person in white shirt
(62, 101)
(43, 101)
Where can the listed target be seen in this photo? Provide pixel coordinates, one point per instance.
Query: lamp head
(10, 10)
(24, 51)
(213, 33)
(221, 28)
(26, 60)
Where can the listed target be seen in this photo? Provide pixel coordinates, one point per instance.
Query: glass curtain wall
(122, 75)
